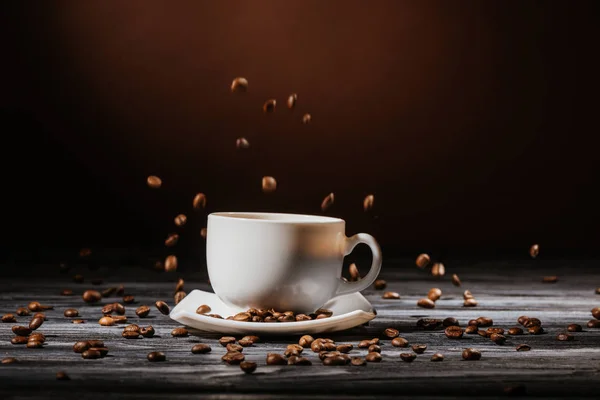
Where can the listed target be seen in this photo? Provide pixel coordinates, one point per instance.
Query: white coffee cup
(281, 261)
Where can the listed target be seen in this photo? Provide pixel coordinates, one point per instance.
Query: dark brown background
(474, 123)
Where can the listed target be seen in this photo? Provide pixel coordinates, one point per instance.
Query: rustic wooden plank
(504, 290)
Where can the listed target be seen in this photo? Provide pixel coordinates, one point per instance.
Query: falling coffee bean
(438, 270)
(291, 101)
(565, 337)
(106, 321)
(515, 331)
(380, 284)
(327, 202)
(358, 361)
(455, 280)
(147, 332)
(390, 296)
(156, 356)
(154, 182)
(437, 357)
(21, 330)
(269, 106)
(498, 338)
(368, 202)
(523, 347)
(423, 260)
(419, 348)
(35, 323)
(162, 307)
(434, 294)
(373, 357)
(453, 332)
(9, 318)
(269, 184)
(534, 250)
(92, 296)
(391, 333)
(306, 118)
(248, 366)
(239, 85)
(199, 201)
(171, 240)
(109, 291)
(66, 292)
(242, 143)
(408, 357)
(179, 296)
(19, 340)
(426, 303)
(201, 348)
(399, 342)
(142, 311)
(203, 309)
(203, 233)
(345, 348)
(91, 354)
(471, 354)
(305, 341)
(275, 359)
(574, 328)
(179, 332)
(353, 271)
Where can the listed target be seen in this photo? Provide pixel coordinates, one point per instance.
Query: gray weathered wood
(504, 290)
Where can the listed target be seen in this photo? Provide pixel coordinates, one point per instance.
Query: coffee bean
(597, 290)
(199, 201)
(269, 184)
(78, 278)
(324, 311)
(325, 354)
(470, 303)
(248, 366)
(327, 202)
(251, 338)
(450, 321)
(180, 220)
(106, 321)
(359, 362)
(225, 340)
(453, 332)
(302, 317)
(36, 306)
(243, 316)
(171, 263)
(345, 348)
(71, 313)
(131, 328)
(373, 357)
(156, 356)
(305, 341)
(40, 337)
(498, 338)
(203, 309)
(391, 333)
(108, 309)
(574, 328)
(179, 296)
(306, 118)
(336, 360)
(92, 296)
(408, 357)
(80, 347)
(523, 347)
(269, 106)
(131, 334)
(399, 342)
(482, 333)
(317, 346)
(201, 348)
(437, 357)
(21, 330)
(291, 101)
(242, 143)
(62, 376)
(179, 332)
(374, 348)
(594, 323)
(425, 303)
(35, 323)
(391, 296)
(473, 322)
(423, 260)
(485, 321)
(66, 292)
(330, 346)
(203, 233)
(154, 182)
(119, 319)
(275, 359)
(455, 280)
(239, 85)
(419, 348)
(565, 337)
(302, 361)
(147, 332)
(429, 324)
(368, 202)
(468, 295)
(533, 322)
(245, 342)
(290, 352)
(438, 270)
(471, 354)
(515, 331)
(103, 351)
(550, 279)
(162, 307)
(171, 240)
(270, 319)
(471, 329)
(434, 294)
(380, 284)
(9, 360)
(34, 344)
(368, 342)
(354, 273)
(19, 340)
(490, 331)
(9, 318)
(522, 320)
(536, 330)
(534, 250)
(320, 316)
(596, 312)
(214, 316)
(128, 299)
(142, 311)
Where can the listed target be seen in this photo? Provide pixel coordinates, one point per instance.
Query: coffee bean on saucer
(456, 280)
(523, 347)
(437, 357)
(485, 322)
(91, 354)
(66, 292)
(423, 260)
(248, 366)
(142, 311)
(36, 322)
(9, 318)
(453, 332)
(153, 182)
(71, 313)
(534, 250)
(450, 321)
(128, 299)
(269, 184)
(106, 321)
(536, 330)
(179, 296)
(380, 284)
(171, 263)
(565, 337)
(320, 316)
(391, 333)
(550, 279)
(179, 332)
(515, 331)
(419, 348)
(391, 296)
(21, 330)
(305, 341)
(373, 357)
(201, 348)
(156, 356)
(438, 269)
(327, 202)
(19, 340)
(62, 376)
(471, 329)
(498, 338)
(203, 309)
(225, 340)
(275, 359)
(324, 311)
(354, 273)
(243, 316)
(399, 342)
(162, 307)
(171, 240)
(147, 332)
(302, 317)
(358, 361)
(270, 319)
(425, 303)
(214, 316)
(574, 328)
(434, 294)
(471, 354)
(408, 357)
(593, 323)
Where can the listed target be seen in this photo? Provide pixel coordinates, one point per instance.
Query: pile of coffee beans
(266, 316)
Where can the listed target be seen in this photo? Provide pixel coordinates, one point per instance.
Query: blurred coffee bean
(201, 348)
(471, 354)
(199, 201)
(550, 279)
(391, 296)
(597, 290)
(357, 361)
(423, 260)
(455, 280)
(536, 330)
(523, 347)
(9, 318)
(40, 337)
(91, 354)
(515, 331)
(434, 294)
(128, 299)
(450, 321)
(368, 202)
(533, 322)
(147, 332)
(353, 271)
(269, 106)
(391, 333)
(408, 357)
(171, 263)
(275, 359)
(62, 376)
(171, 240)
(470, 303)
(306, 118)
(120, 290)
(239, 85)
(565, 337)
(425, 303)
(245, 342)
(453, 332)
(534, 250)
(142, 311)
(437, 357)
(92, 296)
(498, 338)
(345, 348)
(180, 220)
(36, 306)
(485, 322)
(131, 328)
(242, 143)
(490, 331)
(109, 291)
(156, 356)
(373, 357)
(429, 324)
(522, 320)
(596, 312)
(179, 332)
(374, 348)
(269, 184)
(119, 319)
(305, 341)
(203, 309)
(78, 278)
(302, 317)
(380, 284)
(419, 348)
(327, 202)
(154, 182)
(438, 269)
(203, 233)
(34, 344)
(467, 295)
(19, 340)
(21, 330)
(574, 328)
(179, 296)
(106, 321)
(9, 360)
(363, 344)
(243, 317)
(248, 367)
(35, 323)
(399, 342)
(593, 323)
(82, 346)
(291, 101)
(66, 292)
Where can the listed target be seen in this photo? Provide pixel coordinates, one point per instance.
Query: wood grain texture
(505, 290)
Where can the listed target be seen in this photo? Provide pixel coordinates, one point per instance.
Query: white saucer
(349, 310)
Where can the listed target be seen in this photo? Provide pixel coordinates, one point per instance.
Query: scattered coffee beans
(327, 202)
(131, 328)
(419, 348)
(147, 332)
(523, 347)
(142, 311)
(37, 336)
(434, 294)
(408, 357)
(391, 333)
(574, 328)
(482, 333)
(453, 332)
(373, 357)
(71, 313)
(425, 303)
(34, 344)
(346, 348)
(9, 318)
(399, 342)
(366, 343)
(80, 347)
(471, 354)
(473, 322)
(201, 348)
(515, 331)
(536, 330)
(498, 338)
(245, 342)
(131, 334)
(180, 220)
(269, 184)
(491, 331)
(423, 260)
(171, 263)
(162, 307)
(179, 332)
(275, 359)
(450, 321)
(199, 201)
(534, 250)
(380, 284)
(456, 280)
(156, 356)
(565, 337)
(550, 279)
(522, 320)
(358, 361)
(154, 182)
(92, 296)
(438, 270)
(391, 296)
(106, 321)
(368, 202)
(374, 348)
(305, 341)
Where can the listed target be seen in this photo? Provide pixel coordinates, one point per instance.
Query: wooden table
(505, 290)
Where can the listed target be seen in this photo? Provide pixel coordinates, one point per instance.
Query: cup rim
(286, 218)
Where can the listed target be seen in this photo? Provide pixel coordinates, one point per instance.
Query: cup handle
(349, 245)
